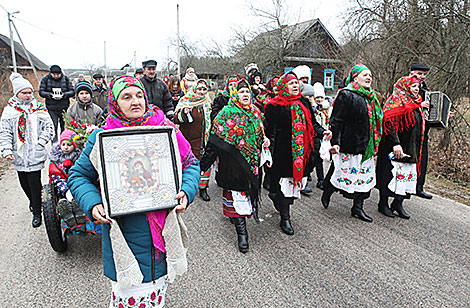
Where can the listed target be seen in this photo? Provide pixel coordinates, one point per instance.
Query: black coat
(350, 123)
(278, 124)
(46, 90)
(231, 175)
(218, 104)
(158, 94)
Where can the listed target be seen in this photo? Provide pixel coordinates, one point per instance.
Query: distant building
(22, 63)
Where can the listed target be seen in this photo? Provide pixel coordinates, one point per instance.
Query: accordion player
(439, 109)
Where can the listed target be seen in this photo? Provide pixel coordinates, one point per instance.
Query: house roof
(293, 35)
(20, 51)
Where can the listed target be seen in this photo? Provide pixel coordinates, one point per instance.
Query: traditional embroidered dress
(403, 125)
(236, 138)
(353, 169)
(129, 288)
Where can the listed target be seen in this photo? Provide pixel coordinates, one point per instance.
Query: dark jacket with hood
(159, 95)
(349, 123)
(46, 90)
(218, 104)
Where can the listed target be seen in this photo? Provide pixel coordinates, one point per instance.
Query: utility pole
(12, 42)
(105, 71)
(27, 53)
(178, 37)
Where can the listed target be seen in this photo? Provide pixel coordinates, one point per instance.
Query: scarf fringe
(399, 123)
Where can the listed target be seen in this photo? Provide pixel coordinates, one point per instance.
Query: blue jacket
(82, 183)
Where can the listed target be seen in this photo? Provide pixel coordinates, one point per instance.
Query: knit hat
(83, 85)
(68, 134)
(250, 67)
(307, 90)
(318, 89)
(19, 83)
(302, 71)
(55, 69)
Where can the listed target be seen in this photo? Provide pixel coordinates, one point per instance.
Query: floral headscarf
(302, 128)
(374, 111)
(355, 70)
(230, 79)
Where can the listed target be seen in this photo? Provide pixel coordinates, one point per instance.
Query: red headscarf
(302, 128)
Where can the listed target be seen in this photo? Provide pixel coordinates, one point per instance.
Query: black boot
(326, 195)
(240, 226)
(37, 220)
(397, 206)
(306, 191)
(204, 195)
(357, 211)
(285, 224)
(384, 208)
(320, 185)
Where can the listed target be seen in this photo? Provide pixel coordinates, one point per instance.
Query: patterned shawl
(238, 129)
(151, 117)
(375, 117)
(302, 128)
(398, 110)
(191, 100)
(23, 109)
(226, 91)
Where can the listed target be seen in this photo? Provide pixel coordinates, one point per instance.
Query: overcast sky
(72, 33)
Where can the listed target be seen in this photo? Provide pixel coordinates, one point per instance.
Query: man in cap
(56, 88)
(100, 91)
(139, 73)
(157, 91)
(420, 71)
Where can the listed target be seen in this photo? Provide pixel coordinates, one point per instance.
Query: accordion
(439, 109)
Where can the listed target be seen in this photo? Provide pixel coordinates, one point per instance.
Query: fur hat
(250, 67)
(318, 89)
(19, 83)
(302, 71)
(68, 134)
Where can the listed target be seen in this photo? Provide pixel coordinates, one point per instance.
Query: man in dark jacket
(420, 71)
(100, 91)
(157, 91)
(56, 88)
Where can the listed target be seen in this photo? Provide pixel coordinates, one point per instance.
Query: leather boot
(285, 224)
(204, 195)
(357, 211)
(384, 208)
(240, 226)
(326, 195)
(397, 206)
(37, 220)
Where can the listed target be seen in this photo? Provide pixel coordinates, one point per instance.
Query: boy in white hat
(25, 129)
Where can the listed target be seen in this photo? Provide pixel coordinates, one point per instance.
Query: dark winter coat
(46, 89)
(230, 173)
(218, 104)
(158, 95)
(350, 123)
(100, 96)
(279, 130)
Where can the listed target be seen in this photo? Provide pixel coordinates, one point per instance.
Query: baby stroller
(62, 216)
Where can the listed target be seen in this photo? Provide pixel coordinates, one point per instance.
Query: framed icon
(140, 169)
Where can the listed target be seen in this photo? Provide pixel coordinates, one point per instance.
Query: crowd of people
(253, 135)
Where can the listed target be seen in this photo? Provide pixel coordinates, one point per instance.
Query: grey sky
(79, 28)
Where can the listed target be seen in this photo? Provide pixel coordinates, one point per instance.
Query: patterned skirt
(204, 182)
(145, 295)
(350, 175)
(227, 202)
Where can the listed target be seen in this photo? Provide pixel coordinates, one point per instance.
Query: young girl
(63, 157)
(25, 129)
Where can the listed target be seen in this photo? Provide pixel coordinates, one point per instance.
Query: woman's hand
(186, 110)
(425, 104)
(10, 157)
(99, 214)
(327, 134)
(266, 142)
(334, 149)
(184, 202)
(398, 151)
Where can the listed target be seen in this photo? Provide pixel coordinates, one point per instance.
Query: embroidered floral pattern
(351, 175)
(154, 299)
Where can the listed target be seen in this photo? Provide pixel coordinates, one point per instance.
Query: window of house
(329, 78)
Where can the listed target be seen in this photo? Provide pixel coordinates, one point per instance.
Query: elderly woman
(397, 174)
(291, 127)
(193, 116)
(138, 267)
(237, 138)
(356, 123)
